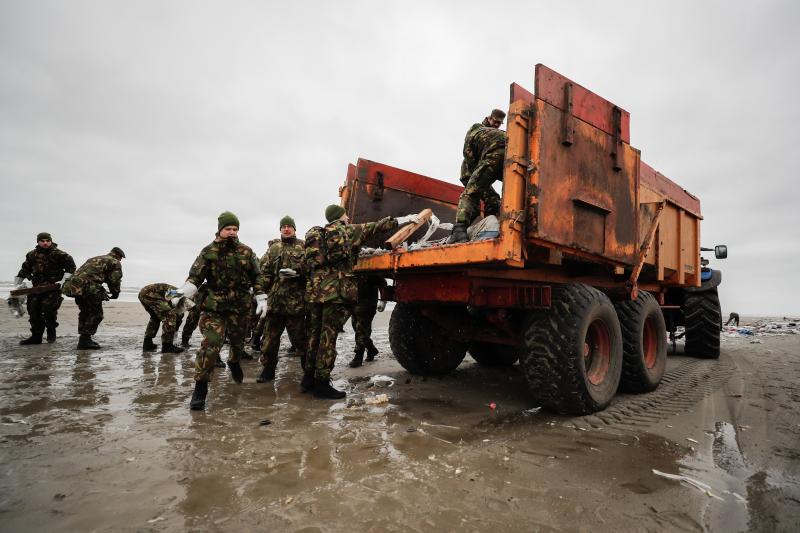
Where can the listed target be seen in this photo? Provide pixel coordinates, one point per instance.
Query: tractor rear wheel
(573, 355)
(644, 343)
(703, 317)
(494, 355)
(420, 345)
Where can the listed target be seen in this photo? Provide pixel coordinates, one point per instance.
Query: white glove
(287, 273)
(18, 282)
(381, 305)
(261, 304)
(67, 275)
(407, 218)
(188, 290)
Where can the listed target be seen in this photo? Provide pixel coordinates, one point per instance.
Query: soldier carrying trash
(86, 286)
(284, 280)
(230, 269)
(155, 300)
(331, 290)
(45, 266)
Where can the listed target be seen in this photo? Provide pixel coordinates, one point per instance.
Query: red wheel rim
(649, 343)
(597, 352)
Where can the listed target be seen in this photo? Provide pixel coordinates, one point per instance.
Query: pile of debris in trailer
(765, 327)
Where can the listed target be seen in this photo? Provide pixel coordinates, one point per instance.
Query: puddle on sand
(722, 466)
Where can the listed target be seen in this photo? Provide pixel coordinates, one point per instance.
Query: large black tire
(573, 356)
(644, 343)
(703, 317)
(494, 355)
(420, 345)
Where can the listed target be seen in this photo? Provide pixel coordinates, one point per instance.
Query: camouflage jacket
(46, 265)
(153, 294)
(89, 278)
(336, 283)
(230, 269)
(286, 295)
(481, 143)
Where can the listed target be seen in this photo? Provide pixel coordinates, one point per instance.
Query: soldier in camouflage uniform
(284, 280)
(259, 323)
(370, 288)
(86, 286)
(230, 269)
(331, 290)
(154, 300)
(484, 152)
(44, 265)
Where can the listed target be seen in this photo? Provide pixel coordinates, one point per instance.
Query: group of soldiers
(305, 287)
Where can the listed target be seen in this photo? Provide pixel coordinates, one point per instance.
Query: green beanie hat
(287, 221)
(333, 212)
(44, 235)
(227, 219)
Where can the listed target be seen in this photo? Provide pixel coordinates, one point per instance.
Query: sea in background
(127, 294)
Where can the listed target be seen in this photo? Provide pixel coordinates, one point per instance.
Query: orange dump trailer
(597, 256)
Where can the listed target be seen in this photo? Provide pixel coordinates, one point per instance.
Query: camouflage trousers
(161, 314)
(215, 326)
(43, 311)
(273, 329)
(324, 321)
(90, 314)
(479, 188)
(192, 320)
(362, 325)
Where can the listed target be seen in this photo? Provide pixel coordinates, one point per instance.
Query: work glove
(407, 218)
(188, 290)
(381, 305)
(261, 304)
(105, 296)
(18, 282)
(63, 280)
(287, 273)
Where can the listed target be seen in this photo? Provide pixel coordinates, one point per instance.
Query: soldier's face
(287, 232)
(45, 243)
(229, 232)
(493, 122)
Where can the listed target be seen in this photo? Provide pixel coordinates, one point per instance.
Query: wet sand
(104, 441)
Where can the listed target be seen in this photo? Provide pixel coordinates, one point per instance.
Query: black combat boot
(220, 363)
(236, 371)
(185, 342)
(307, 383)
(51, 335)
(85, 342)
(148, 345)
(198, 402)
(168, 347)
(267, 374)
(459, 234)
(33, 339)
(323, 389)
(358, 358)
(372, 351)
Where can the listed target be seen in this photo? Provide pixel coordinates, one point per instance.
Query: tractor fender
(709, 280)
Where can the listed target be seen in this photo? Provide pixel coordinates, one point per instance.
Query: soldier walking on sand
(284, 280)
(86, 286)
(370, 288)
(331, 290)
(162, 313)
(44, 265)
(230, 269)
(484, 151)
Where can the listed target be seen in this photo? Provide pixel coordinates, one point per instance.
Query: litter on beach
(693, 482)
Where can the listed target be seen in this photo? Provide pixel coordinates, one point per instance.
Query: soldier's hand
(408, 218)
(261, 304)
(381, 306)
(105, 296)
(64, 279)
(18, 282)
(186, 291)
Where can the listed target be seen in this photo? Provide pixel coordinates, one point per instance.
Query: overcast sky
(134, 124)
